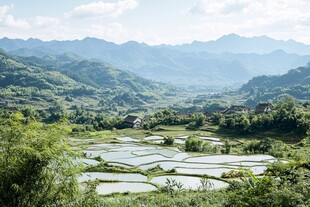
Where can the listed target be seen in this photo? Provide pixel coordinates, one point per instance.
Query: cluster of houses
(260, 108)
(136, 122)
(209, 95)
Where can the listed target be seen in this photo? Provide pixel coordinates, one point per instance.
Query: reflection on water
(111, 176)
(122, 187)
(149, 156)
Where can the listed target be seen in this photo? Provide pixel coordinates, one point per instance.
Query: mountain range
(71, 81)
(234, 43)
(229, 60)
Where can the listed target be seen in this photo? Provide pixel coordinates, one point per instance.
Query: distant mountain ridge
(227, 61)
(234, 43)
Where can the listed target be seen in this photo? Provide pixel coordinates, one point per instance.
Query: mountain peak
(230, 36)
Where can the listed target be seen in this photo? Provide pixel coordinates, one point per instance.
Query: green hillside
(295, 82)
(70, 81)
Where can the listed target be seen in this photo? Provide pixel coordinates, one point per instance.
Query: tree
(200, 119)
(169, 140)
(193, 144)
(227, 147)
(36, 167)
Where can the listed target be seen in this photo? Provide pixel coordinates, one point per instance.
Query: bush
(233, 174)
(169, 140)
(274, 148)
(193, 144)
(209, 148)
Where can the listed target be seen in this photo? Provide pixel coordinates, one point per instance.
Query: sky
(154, 21)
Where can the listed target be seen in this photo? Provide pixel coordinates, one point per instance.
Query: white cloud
(283, 19)
(44, 21)
(4, 10)
(8, 20)
(100, 9)
(223, 7)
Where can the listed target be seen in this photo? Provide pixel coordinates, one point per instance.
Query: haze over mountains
(236, 44)
(229, 60)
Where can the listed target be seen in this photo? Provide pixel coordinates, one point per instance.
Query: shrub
(193, 144)
(233, 174)
(169, 140)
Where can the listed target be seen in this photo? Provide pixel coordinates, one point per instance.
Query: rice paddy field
(140, 162)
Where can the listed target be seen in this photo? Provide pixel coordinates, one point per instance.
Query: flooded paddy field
(187, 168)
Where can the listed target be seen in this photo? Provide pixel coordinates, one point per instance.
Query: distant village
(136, 122)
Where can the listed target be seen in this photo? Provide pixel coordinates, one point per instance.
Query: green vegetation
(295, 83)
(36, 167)
(74, 83)
(193, 144)
(169, 140)
(234, 174)
(37, 143)
(289, 188)
(267, 146)
(289, 116)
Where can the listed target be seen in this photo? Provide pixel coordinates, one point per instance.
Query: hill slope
(71, 81)
(295, 83)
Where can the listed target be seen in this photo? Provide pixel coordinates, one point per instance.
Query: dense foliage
(295, 83)
(35, 164)
(72, 81)
(288, 187)
(289, 116)
(193, 144)
(37, 167)
(267, 146)
(167, 117)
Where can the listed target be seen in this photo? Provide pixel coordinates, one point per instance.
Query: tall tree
(36, 167)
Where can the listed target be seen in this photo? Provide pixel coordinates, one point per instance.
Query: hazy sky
(154, 21)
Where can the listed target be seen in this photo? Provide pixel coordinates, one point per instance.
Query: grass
(212, 198)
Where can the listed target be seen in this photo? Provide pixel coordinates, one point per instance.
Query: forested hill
(70, 81)
(92, 72)
(295, 82)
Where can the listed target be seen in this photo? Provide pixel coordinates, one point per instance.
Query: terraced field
(188, 168)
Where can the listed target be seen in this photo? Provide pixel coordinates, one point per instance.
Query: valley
(205, 133)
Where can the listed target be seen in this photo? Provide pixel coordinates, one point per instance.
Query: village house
(133, 122)
(236, 110)
(263, 108)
